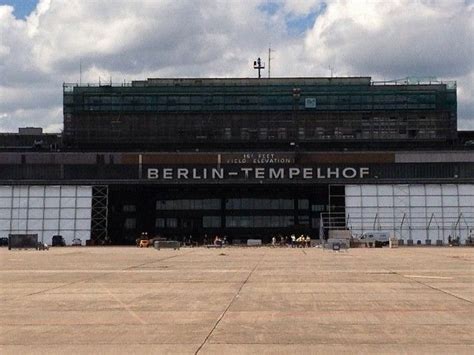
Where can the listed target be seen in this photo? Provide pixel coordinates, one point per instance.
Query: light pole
(257, 64)
(296, 124)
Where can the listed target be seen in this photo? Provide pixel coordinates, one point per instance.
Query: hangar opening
(238, 212)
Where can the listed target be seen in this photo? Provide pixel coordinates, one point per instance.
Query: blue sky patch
(22, 7)
(270, 7)
(298, 25)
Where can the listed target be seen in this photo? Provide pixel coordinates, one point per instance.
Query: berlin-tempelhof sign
(257, 173)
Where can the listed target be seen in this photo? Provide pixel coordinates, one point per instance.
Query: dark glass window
(276, 221)
(303, 204)
(259, 221)
(212, 204)
(196, 204)
(129, 208)
(130, 223)
(286, 204)
(171, 222)
(259, 204)
(304, 220)
(211, 221)
(244, 134)
(275, 204)
(247, 204)
(160, 223)
(281, 133)
(318, 208)
(288, 221)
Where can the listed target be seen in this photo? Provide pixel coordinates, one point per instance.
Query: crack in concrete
(435, 288)
(94, 278)
(228, 306)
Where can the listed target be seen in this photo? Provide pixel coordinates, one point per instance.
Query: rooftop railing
(450, 84)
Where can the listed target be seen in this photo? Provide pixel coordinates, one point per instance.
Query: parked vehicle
(376, 237)
(3, 242)
(145, 240)
(43, 246)
(144, 243)
(22, 241)
(76, 242)
(58, 241)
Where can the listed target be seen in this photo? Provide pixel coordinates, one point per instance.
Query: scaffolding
(99, 215)
(266, 110)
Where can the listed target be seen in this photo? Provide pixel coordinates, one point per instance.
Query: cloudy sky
(43, 42)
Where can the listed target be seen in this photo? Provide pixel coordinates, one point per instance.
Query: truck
(377, 238)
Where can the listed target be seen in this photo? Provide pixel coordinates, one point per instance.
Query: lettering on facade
(258, 158)
(258, 173)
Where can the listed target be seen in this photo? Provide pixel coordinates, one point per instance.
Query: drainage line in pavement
(156, 261)
(435, 288)
(94, 278)
(228, 307)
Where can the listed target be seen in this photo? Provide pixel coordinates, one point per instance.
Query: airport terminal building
(245, 158)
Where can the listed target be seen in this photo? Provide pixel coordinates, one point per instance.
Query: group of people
(453, 241)
(303, 241)
(292, 241)
(217, 240)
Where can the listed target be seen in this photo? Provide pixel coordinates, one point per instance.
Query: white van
(375, 236)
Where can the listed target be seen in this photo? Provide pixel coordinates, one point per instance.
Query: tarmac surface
(125, 300)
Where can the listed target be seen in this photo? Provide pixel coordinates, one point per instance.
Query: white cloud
(379, 38)
(47, 118)
(134, 40)
(395, 39)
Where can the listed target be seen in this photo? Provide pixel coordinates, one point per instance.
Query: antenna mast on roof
(270, 50)
(331, 68)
